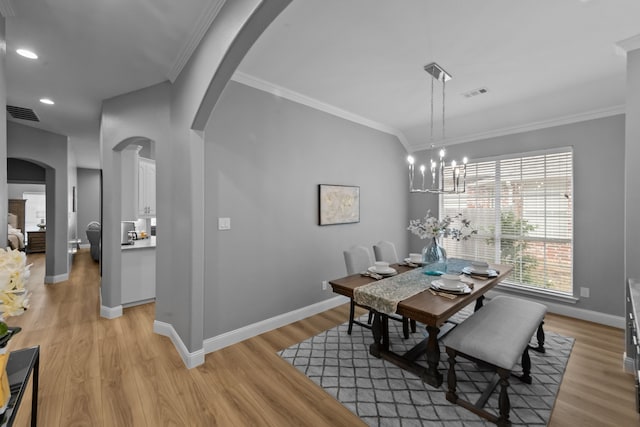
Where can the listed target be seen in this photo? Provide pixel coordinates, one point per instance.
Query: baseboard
(85, 245)
(191, 360)
(110, 312)
(56, 279)
(577, 313)
(628, 364)
(232, 337)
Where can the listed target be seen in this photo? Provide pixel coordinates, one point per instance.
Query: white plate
(437, 285)
(450, 285)
(489, 272)
(413, 262)
(385, 272)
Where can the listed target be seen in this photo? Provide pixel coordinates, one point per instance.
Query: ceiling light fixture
(439, 185)
(26, 53)
(47, 101)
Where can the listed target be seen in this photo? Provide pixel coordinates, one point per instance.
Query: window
(35, 209)
(522, 208)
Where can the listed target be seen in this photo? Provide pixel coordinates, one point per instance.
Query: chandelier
(455, 183)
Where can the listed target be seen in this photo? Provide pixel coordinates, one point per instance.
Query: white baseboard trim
(85, 245)
(578, 313)
(56, 279)
(110, 312)
(191, 360)
(627, 364)
(232, 337)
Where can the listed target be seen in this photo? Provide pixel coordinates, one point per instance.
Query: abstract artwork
(338, 204)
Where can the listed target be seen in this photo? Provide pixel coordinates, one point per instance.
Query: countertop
(149, 243)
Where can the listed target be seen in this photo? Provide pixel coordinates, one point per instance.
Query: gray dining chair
(357, 259)
(385, 251)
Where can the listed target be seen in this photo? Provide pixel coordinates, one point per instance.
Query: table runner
(384, 295)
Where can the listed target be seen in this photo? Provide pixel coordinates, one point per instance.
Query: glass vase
(434, 255)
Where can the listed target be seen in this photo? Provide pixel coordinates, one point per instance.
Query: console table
(20, 365)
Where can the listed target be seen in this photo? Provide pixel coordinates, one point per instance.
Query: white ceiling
(542, 61)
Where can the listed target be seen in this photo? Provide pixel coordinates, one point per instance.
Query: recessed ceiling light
(26, 53)
(47, 101)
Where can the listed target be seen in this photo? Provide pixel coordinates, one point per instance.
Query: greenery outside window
(522, 207)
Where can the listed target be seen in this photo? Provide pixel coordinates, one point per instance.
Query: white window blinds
(522, 208)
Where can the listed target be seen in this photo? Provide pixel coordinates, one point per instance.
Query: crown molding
(6, 8)
(299, 98)
(627, 45)
(559, 121)
(199, 30)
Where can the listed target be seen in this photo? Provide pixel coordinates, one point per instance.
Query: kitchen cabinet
(138, 175)
(146, 188)
(138, 280)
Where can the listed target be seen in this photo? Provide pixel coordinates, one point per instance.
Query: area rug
(382, 394)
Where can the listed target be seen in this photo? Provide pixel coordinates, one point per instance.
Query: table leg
(380, 330)
(432, 375)
(479, 302)
(34, 391)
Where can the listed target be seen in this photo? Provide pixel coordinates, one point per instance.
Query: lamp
(437, 169)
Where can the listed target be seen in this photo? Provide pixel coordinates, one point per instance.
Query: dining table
(410, 293)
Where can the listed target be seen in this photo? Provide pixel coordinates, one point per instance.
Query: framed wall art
(338, 204)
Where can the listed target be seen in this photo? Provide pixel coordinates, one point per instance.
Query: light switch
(224, 223)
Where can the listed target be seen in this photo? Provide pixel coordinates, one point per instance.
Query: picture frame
(338, 204)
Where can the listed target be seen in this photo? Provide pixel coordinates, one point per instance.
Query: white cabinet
(146, 188)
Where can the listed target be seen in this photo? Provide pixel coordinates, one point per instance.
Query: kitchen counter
(138, 272)
(141, 244)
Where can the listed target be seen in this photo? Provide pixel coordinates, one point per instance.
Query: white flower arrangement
(14, 273)
(431, 227)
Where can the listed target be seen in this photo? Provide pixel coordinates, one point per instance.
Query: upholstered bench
(497, 335)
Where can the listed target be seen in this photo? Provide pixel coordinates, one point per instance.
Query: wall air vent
(22, 113)
(475, 92)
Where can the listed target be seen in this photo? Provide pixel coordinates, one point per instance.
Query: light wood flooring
(98, 372)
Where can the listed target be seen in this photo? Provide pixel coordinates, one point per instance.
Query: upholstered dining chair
(357, 259)
(386, 251)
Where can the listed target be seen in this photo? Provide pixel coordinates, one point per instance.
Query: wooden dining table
(432, 310)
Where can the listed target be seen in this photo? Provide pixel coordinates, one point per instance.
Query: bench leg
(526, 367)
(540, 336)
(503, 399)
(452, 381)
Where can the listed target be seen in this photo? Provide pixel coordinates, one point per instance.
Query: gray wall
(16, 190)
(632, 155)
(51, 151)
(4, 203)
(88, 200)
(265, 157)
(599, 150)
(142, 114)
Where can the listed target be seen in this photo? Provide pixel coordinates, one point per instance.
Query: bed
(15, 226)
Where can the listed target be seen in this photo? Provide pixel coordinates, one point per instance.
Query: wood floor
(98, 372)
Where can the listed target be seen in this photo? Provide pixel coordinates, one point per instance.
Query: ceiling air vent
(22, 113)
(475, 92)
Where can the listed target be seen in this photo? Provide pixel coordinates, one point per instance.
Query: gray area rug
(382, 394)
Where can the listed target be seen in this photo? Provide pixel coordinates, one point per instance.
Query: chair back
(385, 251)
(358, 259)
